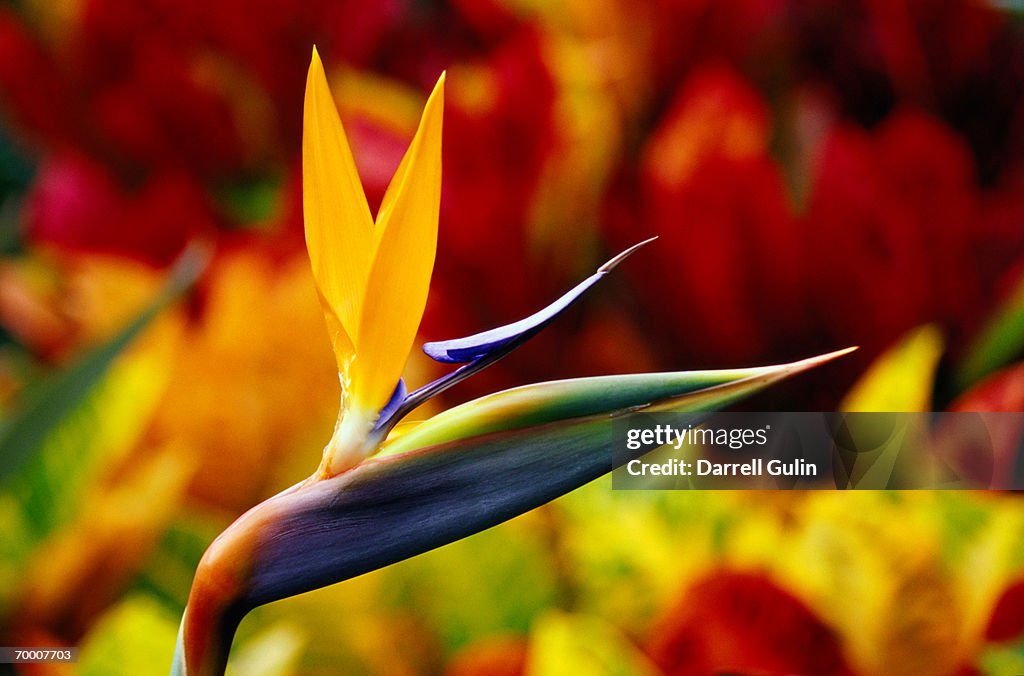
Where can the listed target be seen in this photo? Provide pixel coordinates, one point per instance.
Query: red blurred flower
(1007, 621)
(960, 60)
(689, 33)
(991, 456)
(892, 223)
(728, 277)
(501, 133)
(895, 233)
(734, 622)
(31, 92)
(75, 203)
(170, 103)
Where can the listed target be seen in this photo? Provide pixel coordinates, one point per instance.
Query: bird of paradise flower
(459, 472)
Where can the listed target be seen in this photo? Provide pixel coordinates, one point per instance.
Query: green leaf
(251, 203)
(998, 343)
(49, 403)
(15, 547)
(78, 419)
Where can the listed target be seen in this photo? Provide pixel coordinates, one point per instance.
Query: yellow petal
(406, 241)
(339, 228)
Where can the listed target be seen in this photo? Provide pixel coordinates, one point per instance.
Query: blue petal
(463, 350)
(396, 400)
(479, 351)
(471, 348)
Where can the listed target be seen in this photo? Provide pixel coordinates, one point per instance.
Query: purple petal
(479, 351)
(463, 350)
(396, 400)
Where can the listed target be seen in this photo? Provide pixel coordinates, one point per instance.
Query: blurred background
(820, 173)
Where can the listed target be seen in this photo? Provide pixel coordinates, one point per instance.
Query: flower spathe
(433, 484)
(372, 276)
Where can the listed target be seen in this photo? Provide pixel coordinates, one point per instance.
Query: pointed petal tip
(817, 360)
(337, 222)
(611, 264)
(437, 93)
(316, 85)
(757, 379)
(829, 356)
(315, 63)
(405, 238)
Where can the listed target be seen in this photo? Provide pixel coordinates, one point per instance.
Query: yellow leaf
(902, 378)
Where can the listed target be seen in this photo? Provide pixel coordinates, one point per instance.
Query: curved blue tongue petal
(477, 346)
(479, 351)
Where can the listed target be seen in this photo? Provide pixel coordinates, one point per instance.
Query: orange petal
(399, 278)
(339, 228)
